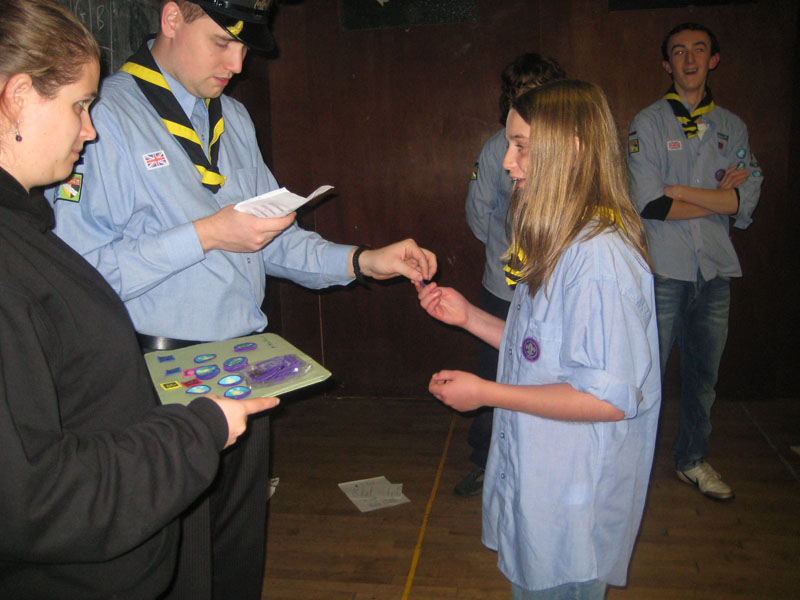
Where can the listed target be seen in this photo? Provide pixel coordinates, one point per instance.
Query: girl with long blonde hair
(578, 387)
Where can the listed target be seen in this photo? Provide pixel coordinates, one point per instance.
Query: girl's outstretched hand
(443, 303)
(457, 389)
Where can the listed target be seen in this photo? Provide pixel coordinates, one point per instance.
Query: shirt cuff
(210, 412)
(337, 264)
(182, 246)
(604, 386)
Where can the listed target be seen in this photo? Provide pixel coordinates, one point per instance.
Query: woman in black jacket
(94, 474)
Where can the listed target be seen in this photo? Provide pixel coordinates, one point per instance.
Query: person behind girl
(93, 473)
(578, 386)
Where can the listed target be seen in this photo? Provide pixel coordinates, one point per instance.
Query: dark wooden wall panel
(394, 118)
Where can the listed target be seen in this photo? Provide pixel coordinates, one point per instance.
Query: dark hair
(689, 27)
(46, 41)
(525, 72)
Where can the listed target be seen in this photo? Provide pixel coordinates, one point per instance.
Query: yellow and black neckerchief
(142, 66)
(689, 120)
(514, 275)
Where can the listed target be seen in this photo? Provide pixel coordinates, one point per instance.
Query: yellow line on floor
(418, 549)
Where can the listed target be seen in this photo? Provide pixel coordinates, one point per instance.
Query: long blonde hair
(576, 179)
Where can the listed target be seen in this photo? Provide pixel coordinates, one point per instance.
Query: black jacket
(93, 473)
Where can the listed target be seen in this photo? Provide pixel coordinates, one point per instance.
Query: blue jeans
(695, 314)
(586, 590)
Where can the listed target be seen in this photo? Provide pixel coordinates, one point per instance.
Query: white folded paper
(371, 494)
(277, 203)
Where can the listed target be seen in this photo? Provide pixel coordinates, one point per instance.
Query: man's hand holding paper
(236, 231)
(278, 203)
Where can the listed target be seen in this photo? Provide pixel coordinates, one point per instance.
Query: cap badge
(237, 28)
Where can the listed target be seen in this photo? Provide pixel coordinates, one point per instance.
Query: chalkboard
(374, 14)
(120, 26)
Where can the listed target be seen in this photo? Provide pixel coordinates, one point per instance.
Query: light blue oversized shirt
(133, 222)
(562, 501)
(659, 154)
(486, 206)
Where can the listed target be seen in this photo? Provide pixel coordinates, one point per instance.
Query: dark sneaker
(707, 480)
(471, 485)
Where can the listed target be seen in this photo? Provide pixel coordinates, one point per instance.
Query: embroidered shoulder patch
(71, 189)
(155, 160)
(633, 146)
(474, 176)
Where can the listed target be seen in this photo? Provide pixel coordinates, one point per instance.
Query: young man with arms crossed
(691, 171)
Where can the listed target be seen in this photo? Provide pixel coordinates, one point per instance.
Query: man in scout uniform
(154, 214)
(691, 172)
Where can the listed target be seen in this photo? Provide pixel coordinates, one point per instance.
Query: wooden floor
(689, 548)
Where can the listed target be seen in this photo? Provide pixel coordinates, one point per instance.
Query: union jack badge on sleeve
(155, 160)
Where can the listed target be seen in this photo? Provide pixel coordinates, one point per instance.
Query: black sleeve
(657, 209)
(93, 494)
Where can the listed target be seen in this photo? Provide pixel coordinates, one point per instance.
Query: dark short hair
(526, 71)
(689, 27)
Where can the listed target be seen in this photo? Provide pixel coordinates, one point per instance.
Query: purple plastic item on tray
(276, 369)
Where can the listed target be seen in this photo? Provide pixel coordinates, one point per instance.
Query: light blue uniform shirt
(659, 154)
(133, 222)
(487, 205)
(562, 501)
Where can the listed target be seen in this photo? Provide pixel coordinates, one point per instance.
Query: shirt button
(519, 306)
(502, 475)
(502, 435)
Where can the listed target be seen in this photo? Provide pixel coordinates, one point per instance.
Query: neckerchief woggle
(514, 275)
(688, 120)
(142, 66)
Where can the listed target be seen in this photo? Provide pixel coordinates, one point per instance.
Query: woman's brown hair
(46, 41)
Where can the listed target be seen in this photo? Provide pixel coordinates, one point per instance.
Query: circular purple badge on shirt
(530, 349)
(719, 174)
